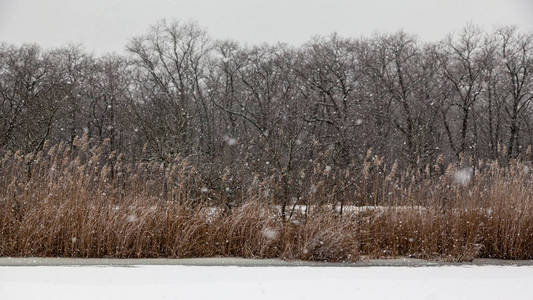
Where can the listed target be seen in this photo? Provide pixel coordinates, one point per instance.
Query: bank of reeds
(85, 201)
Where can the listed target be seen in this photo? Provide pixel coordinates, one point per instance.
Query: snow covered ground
(289, 282)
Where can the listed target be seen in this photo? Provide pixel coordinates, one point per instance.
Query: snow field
(230, 282)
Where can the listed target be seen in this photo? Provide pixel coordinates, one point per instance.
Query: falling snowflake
(131, 218)
(270, 233)
(230, 141)
(463, 176)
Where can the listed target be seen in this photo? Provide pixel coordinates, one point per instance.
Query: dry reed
(85, 201)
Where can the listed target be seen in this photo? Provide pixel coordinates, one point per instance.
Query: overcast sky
(106, 25)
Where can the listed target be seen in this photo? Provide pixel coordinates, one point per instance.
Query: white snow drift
(217, 282)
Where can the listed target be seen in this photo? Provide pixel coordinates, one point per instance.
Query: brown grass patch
(85, 202)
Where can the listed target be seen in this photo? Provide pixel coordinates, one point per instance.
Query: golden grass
(88, 202)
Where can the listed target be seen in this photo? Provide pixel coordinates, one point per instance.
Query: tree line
(178, 92)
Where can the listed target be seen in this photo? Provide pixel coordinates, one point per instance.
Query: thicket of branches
(274, 109)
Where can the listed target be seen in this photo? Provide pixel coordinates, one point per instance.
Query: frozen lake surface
(266, 282)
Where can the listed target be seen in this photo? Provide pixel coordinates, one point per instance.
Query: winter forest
(222, 104)
(339, 148)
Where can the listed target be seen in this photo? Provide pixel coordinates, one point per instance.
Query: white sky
(106, 25)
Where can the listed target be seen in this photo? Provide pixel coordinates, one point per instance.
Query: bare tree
(329, 76)
(408, 77)
(516, 52)
(171, 62)
(464, 66)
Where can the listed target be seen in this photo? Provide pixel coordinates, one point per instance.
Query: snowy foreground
(231, 282)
